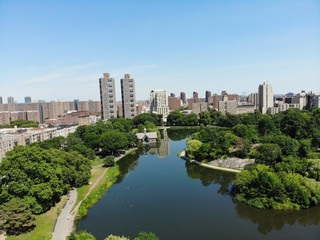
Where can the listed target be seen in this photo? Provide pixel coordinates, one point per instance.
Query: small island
(281, 169)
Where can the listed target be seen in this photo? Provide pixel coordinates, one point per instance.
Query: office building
(107, 97)
(265, 97)
(10, 100)
(128, 94)
(159, 103)
(27, 99)
(0, 100)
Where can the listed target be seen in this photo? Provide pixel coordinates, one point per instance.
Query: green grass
(99, 190)
(44, 224)
(82, 191)
(97, 161)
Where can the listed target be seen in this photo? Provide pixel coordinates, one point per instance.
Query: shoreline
(183, 156)
(75, 210)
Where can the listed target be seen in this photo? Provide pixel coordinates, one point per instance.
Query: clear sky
(58, 49)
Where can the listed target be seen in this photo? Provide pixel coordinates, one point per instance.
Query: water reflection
(128, 163)
(164, 146)
(268, 220)
(180, 134)
(209, 176)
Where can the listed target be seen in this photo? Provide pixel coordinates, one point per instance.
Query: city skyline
(48, 53)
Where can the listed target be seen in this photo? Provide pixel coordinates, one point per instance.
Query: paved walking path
(64, 223)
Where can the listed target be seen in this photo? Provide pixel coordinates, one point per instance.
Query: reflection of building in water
(164, 148)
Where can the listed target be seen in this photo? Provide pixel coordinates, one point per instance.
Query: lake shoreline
(183, 156)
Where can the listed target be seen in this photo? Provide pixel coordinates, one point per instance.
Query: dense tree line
(21, 124)
(87, 236)
(283, 146)
(33, 178)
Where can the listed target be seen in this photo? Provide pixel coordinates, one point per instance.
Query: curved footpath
(183, 155)
(65, 221)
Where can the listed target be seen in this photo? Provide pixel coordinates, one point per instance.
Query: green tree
(146, 236)
(295, 123)
(268, 154)
(193, 147)
(204, 118)
(16, 217)
(109, 161)
(288, 145)
(83, 235)
(304, 148)
(113, 237)
(113, 140)
(151, 117)
(266, 125)
(175, 118)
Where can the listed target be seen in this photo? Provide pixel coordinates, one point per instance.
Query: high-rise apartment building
(27, 99)
(128, 94)
(265, 97)
(107, 97)
(183, 97)
(195, 95)
(208, 95)
(174, 103)
(159, 103)
(10, 100)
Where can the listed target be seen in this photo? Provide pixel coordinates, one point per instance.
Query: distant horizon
(48, 53)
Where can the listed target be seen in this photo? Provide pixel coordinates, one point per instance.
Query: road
(64, 224)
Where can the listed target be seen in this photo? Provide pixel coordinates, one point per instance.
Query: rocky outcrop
(235, 163)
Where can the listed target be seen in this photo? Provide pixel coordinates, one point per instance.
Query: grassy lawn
(99, 189)
(82, 191)
(44, 224)
(97, 161)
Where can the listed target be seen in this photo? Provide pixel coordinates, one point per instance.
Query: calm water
(159, 192)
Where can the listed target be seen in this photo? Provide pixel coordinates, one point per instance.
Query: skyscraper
(265, 97)
(10, 100)
(0, 100)
(128, 94)
(159, 103)
(107, 97)
(27, 99)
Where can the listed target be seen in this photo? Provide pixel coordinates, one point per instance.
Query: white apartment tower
(107, 97)
(128, 94)
(159, 103)
(265, 97)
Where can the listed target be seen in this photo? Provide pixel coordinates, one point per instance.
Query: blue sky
(58, 49)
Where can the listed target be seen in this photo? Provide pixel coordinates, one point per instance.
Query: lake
(159, 192)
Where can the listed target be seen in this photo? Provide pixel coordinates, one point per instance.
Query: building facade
(10, 100)
(27, 99)
(183, 97)
(265, 97)
(128, 94)
(107, 97)
(159, 103)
